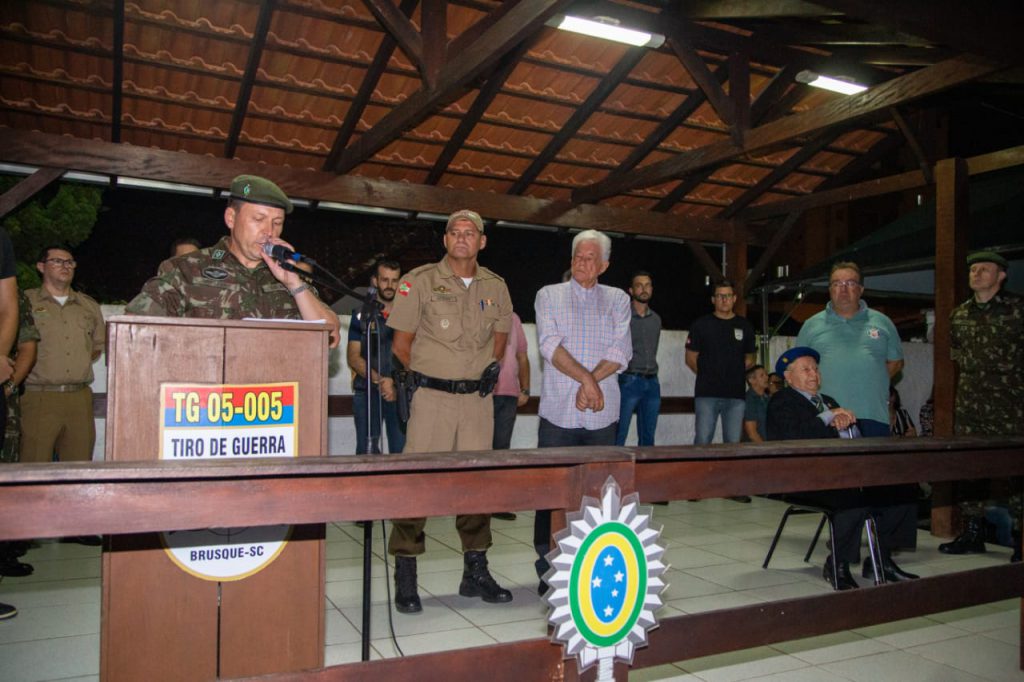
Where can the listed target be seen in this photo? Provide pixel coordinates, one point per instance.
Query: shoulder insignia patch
(218, 254)
(215, 273)
(404, 288)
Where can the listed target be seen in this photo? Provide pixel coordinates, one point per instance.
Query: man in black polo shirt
(638, 385)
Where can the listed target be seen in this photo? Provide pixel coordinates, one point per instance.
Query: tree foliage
(64, 216)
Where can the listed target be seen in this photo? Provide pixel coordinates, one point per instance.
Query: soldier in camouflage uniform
(987, 338)
(235, 278)
(24, 356)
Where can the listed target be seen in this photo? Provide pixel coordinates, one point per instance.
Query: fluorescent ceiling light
(842, 86)
(609, 29)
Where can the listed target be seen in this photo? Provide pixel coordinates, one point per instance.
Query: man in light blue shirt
(860, 351)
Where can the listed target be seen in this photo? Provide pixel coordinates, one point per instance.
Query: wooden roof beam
(701, 10)
(795, 160)
(476, 111)
(914, 144)
(703, 77)
(365, 94)
(989, 29)
(831, 194)
(117, 86)
(520, 20)
(434, 23)
(837, 113)
(16, 196)
(259, 39)
(41, 149)
(400, 28)
(579, 116)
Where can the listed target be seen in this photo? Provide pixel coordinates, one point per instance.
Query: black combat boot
(971, 541)
(477, 580)
(407, 599)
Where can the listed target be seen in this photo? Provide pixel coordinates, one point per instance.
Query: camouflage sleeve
(27, 330)
(161, 296)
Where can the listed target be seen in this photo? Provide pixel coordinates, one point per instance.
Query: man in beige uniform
(451, 320)
(56, 410)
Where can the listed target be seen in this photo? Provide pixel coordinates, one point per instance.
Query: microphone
(282, 253)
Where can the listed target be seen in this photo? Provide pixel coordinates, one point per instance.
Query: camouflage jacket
(212, 283)
(987, 344)
(27, 330)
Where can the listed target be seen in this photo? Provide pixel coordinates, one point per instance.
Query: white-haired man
(584, 338)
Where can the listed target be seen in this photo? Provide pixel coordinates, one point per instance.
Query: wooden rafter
(366, 88)
(252, 65)
(773, 93)
(565, 132)
(666, 127)
(519, 22)
(840, 112)
(990, 28)
(795, 160)
(915, 145)
(703, 77)
(751, 9)
(476, 111)
(16, 196)
(739, 95)
(434, 20)
(117, 85)
(400, 28)
(193, 169)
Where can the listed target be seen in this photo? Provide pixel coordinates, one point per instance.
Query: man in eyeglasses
(56, 410)
(719, 349)
(860, 351)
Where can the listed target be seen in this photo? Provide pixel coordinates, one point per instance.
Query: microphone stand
(371, 319)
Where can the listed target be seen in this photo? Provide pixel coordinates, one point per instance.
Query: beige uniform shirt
(69, 335)
(454, 324)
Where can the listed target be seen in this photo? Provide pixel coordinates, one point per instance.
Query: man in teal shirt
(860, 351)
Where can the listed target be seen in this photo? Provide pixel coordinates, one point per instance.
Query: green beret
(987, 257)
(257, 190)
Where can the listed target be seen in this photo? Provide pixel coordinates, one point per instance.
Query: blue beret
(787, 358)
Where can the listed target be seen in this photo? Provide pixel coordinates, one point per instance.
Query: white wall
(676, 380)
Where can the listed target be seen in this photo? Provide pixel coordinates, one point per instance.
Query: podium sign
(219, 602)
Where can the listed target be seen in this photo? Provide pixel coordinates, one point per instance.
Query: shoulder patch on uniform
(218, 254)
(215, 273)
(404, 288)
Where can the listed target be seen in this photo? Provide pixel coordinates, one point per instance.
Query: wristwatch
(525, 392)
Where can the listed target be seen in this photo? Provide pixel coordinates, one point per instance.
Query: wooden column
(952, 215)
(736, 272)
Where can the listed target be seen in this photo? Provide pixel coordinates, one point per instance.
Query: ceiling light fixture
(610, 29)
(840, 85)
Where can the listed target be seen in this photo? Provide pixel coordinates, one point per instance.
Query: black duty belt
(460, 386)
(645, 375)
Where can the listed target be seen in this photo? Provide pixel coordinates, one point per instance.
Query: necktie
(819, 403)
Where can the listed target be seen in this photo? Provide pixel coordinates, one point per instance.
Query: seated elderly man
(798, 412)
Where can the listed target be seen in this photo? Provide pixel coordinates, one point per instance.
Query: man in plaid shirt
(583, 334)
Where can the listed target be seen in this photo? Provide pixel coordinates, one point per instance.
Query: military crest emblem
(605, 581)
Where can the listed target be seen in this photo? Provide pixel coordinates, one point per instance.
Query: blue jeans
(643, 396)
(707, 411)
(396, 434)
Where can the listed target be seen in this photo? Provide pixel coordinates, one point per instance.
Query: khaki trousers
(57, 422)
(446, 422)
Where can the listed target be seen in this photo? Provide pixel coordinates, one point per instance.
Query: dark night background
(136, 228)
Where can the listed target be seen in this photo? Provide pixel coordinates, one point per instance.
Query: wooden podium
(160, 622)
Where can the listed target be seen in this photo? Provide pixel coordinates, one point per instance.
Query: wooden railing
(49, 500)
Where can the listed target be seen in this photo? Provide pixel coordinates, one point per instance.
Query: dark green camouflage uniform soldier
(235, 278)
(987, 339)
(27, 334)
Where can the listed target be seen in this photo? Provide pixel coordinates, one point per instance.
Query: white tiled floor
(715, 549)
